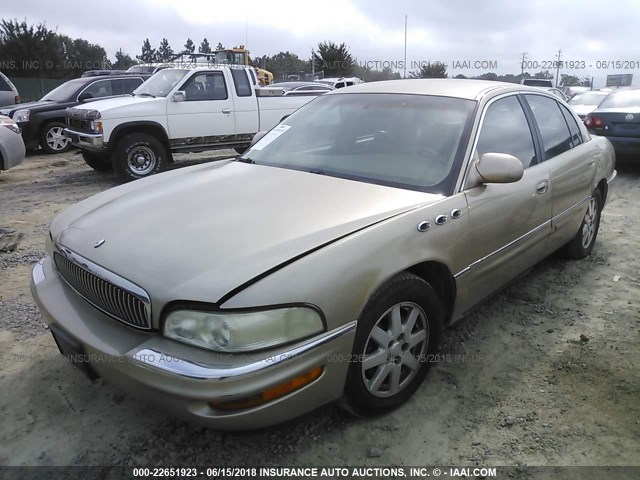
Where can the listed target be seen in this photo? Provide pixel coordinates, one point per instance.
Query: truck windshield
(65, 92)
(161, 83)
(414, 142)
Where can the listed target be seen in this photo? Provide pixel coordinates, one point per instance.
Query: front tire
(138, 155)
(582, 244)
(53, 140)
(97, 162)
(397, 332)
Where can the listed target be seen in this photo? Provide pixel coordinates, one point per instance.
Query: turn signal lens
(270, 394)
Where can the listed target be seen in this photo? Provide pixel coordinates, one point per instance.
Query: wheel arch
(148, 127)
(603, 186)
(438, 275)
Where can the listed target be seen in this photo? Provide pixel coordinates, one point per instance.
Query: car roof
(446, 87)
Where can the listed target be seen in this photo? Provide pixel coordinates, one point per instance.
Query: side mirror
(257, 137)
(179, 96)
(499, 168)
(84, 96)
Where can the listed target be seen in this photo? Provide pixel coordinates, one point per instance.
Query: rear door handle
(226, 110)
(542, 187)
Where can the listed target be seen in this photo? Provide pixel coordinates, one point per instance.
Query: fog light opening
(271, 394)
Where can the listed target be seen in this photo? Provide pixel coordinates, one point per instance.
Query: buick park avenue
(322, 264)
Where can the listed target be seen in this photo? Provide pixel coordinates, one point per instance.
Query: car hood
(112, 107)
(39, 106)
(200, 232)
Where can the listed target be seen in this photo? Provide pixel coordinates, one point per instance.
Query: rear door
(570, 161)
(246, 105)
(206, 117)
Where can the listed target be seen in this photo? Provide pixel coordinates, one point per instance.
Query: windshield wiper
(145, 94)
(317, 172)
(246, 160)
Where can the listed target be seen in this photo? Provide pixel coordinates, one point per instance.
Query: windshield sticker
(270, 137)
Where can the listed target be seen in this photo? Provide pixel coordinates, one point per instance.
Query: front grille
(78, 123)
(108, 297)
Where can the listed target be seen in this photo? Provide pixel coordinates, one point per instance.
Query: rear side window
(556, 138)
(505, 130)
(4, 86)
(576, 135)
(243, 87)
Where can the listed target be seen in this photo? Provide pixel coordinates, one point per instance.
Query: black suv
(43, 122)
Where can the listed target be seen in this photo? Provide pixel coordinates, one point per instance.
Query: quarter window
(505, 130)
(576, 135)
(556, 138)
(206, 86)
(243, 87)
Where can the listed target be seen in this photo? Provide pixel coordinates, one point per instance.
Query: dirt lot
(529, 392)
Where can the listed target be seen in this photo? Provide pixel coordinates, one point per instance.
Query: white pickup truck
(188, 109)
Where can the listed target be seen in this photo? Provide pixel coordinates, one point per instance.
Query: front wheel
(398, 331)
(53, 140)
(138, 155)
(582, 244)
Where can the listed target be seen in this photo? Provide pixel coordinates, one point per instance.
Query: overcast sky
(446, 30)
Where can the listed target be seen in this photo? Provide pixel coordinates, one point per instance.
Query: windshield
(233, 58)
(537, 83)
(626, 99)
(161, 83)
(587, 99)
(405, 141)
(65, 92)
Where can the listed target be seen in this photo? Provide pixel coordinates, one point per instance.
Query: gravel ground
(545, 373)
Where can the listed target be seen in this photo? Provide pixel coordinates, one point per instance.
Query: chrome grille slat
(112, 299)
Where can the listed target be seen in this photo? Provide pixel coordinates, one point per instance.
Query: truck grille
(106, 296)
(78, 123)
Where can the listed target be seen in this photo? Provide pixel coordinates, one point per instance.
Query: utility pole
(558, 66)
(524, 58)
(313, 65)
(405, 46)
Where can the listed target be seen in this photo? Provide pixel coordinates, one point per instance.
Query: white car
(11, 145)
(585, 103)
(340, 82)
(8, 91)
(187, 109)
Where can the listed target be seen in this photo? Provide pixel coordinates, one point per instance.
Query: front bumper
(89, 141)
(185, 379)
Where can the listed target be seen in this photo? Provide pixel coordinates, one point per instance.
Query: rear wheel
(139, 155)
(97, 162)
(52, 138)
(582, 244)
(397, 331)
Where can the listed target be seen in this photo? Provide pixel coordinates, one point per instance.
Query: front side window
(130, 84)
(205, 86)
(505, 130)
(556, 138)
(414, 142)
(103, 88)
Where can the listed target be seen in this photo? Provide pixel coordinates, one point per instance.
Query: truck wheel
(138, 155)
(97, 162)
(52, 139)
(397, 332)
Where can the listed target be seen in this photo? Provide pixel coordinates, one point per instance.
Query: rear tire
(139, 155)
(52, 139)
(97, 162)
(398, 331)
(582, 244)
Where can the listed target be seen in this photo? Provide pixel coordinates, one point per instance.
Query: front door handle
(542, 187)
(226, 110)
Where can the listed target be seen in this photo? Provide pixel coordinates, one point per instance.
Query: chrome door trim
(564, 212)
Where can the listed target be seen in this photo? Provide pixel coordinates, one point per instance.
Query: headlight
(22, 116)
(10, 124)
(242, 332)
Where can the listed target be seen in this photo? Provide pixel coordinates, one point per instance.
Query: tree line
(38, 51)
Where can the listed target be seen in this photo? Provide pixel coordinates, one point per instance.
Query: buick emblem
(99, 243)
(629, 117)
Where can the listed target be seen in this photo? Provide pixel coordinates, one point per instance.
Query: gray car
(12, 149)
(323, 263)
